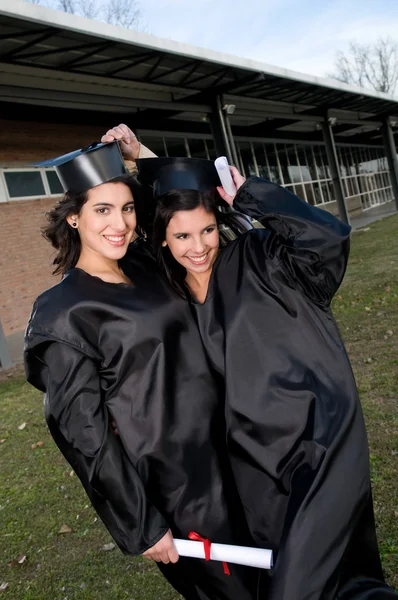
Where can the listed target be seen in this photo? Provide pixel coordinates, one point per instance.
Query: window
(54, 183)
(28, 183)
(21, 184)
(365, 175)
(200, 148)
(156, 144)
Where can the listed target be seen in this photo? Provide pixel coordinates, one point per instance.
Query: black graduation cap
(88, 167)
(166, 174)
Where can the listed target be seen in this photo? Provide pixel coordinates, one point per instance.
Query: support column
(219, 131)
(335, 170)
(5, 360)
(235, 160)
(391, 153)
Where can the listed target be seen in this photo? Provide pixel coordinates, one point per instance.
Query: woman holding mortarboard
(112, 341)
(295, 432)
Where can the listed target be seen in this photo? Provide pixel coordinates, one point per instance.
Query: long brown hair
(65, 239)
(230, 224)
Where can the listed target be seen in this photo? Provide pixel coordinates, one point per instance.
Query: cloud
(300, 35)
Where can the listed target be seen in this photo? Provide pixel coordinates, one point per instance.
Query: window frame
(42, 170)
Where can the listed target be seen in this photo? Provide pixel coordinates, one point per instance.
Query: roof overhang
(57, 62)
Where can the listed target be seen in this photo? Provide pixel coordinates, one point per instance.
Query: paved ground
(15, 341)
(374, 214)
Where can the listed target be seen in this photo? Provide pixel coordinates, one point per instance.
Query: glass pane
(305, 172)
(273, 169)
(309, 191)
(211, 149)
(54, 183)
(318, 193)
(351, 184)
(175, 146)
(24, 183)
(198, 148)
(343, 169)
(331, 191)
(325, 191)
(299, 190)
(261, 160)
(155, 143)
(247, 158)
(322, 162)
(294, 167)
(310, 159)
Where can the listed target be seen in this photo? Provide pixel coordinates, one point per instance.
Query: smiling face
(193, 239)
(106, 222)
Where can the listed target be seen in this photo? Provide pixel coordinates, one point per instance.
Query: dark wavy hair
(230, 225)
(65, 239)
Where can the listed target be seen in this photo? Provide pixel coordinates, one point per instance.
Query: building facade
(65, 80)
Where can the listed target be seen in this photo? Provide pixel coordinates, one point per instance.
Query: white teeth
(114, 238)
(198, 258)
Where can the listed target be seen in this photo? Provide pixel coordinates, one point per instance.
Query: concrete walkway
(15, 346)
(15, 341)
(374, 214)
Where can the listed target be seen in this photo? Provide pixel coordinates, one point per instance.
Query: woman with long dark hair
(112, 341)
(295, 432)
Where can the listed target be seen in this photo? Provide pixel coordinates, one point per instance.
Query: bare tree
(125, 13)
(89, 8)
(374, 66)
(68, 6)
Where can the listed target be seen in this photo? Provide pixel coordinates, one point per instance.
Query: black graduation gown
(103, 351)
(295, 428)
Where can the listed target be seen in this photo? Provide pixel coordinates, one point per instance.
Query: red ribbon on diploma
(207, 548)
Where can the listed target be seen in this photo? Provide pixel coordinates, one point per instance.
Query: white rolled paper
(222, 166)
(238, 555)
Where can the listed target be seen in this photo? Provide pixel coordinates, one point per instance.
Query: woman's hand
(129, 145)
(163, 551)
(238, 180)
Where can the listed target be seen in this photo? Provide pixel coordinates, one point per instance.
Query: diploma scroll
(225, 176)
(239, 555)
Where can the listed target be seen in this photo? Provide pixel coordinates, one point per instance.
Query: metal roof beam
(61, 50)
(270, 126)
(152, 69)
(253, 87)
(22, 49)
(205, 97)
(97, 101)
(196, 65)
(220, 78)
(99, 48)
(105, 61)
(91, 117)
(130, 65)
(292, 136)
(360, 139)
(315, 115)
(23, 33)
(191, 63)
(223, 70)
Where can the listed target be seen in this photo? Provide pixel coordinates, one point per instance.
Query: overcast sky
(303, 35)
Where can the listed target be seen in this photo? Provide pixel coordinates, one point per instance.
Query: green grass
(38, 495)
(366, 308)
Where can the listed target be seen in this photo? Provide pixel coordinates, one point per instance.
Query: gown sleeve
(78, 420)
(329, 519)
(311, 245)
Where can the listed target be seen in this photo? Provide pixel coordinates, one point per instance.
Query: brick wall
(24, 142)
(25, 257)
(25, 260)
